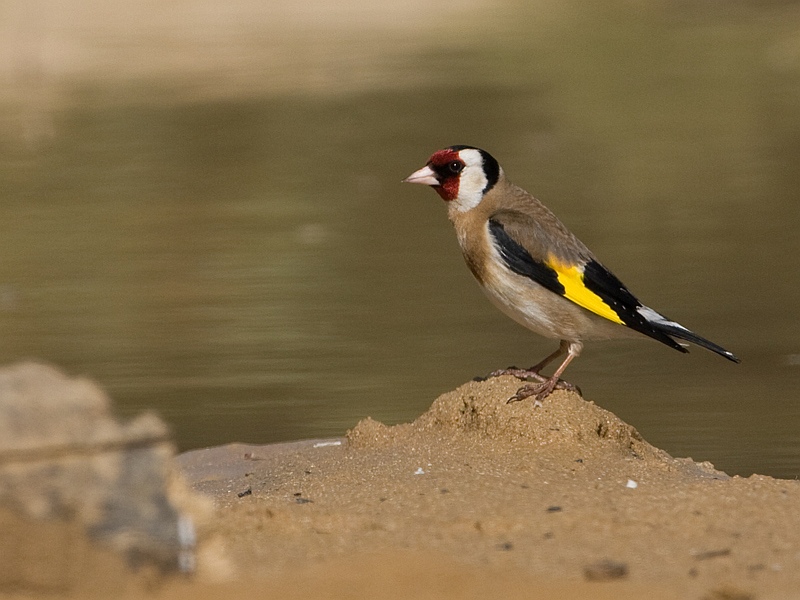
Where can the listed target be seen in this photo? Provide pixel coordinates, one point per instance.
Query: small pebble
(505, 546)
(328, 443)
(705, 555)
(298, 498)
(605, 570)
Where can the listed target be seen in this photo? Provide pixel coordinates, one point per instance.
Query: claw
(542, 390)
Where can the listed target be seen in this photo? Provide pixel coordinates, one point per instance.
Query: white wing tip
(652, 316)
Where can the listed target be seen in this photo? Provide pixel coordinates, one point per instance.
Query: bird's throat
(448, 189)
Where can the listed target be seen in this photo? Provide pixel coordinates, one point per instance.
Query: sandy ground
(478, 497)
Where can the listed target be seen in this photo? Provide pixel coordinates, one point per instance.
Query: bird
(537, 271)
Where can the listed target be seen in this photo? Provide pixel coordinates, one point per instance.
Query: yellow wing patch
(571, 277)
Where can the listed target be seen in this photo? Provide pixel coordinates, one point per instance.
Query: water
(232, 247)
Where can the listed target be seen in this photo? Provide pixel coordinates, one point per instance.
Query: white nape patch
(472, 181)
(654, 317)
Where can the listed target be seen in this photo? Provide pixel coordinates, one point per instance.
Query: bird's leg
(544, 388)
(533, 372)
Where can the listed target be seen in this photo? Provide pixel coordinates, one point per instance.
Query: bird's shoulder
(529, 224)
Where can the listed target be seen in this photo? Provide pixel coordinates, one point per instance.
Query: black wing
(596, 278)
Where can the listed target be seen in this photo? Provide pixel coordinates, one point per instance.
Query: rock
(68, 466)
(605, 570)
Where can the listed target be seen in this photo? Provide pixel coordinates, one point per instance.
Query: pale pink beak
(425, 176)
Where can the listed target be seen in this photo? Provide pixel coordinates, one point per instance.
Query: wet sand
(478, 497)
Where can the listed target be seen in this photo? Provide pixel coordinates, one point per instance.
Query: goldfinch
(535, 270)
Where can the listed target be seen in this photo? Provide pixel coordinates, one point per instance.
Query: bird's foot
(543, 390)
(531, 373)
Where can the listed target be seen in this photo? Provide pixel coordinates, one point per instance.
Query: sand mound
(477, 413)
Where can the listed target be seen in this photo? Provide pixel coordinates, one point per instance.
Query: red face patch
(442, 163)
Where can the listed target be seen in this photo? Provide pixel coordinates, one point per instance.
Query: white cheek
(470, 190)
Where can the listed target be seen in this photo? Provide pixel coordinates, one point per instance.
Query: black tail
(679, 331)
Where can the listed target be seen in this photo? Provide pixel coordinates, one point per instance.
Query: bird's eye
(455, 167)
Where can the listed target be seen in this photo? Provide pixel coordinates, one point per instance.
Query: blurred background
(201, 208)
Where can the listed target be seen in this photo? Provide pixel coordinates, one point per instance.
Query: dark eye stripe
(448, 169)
